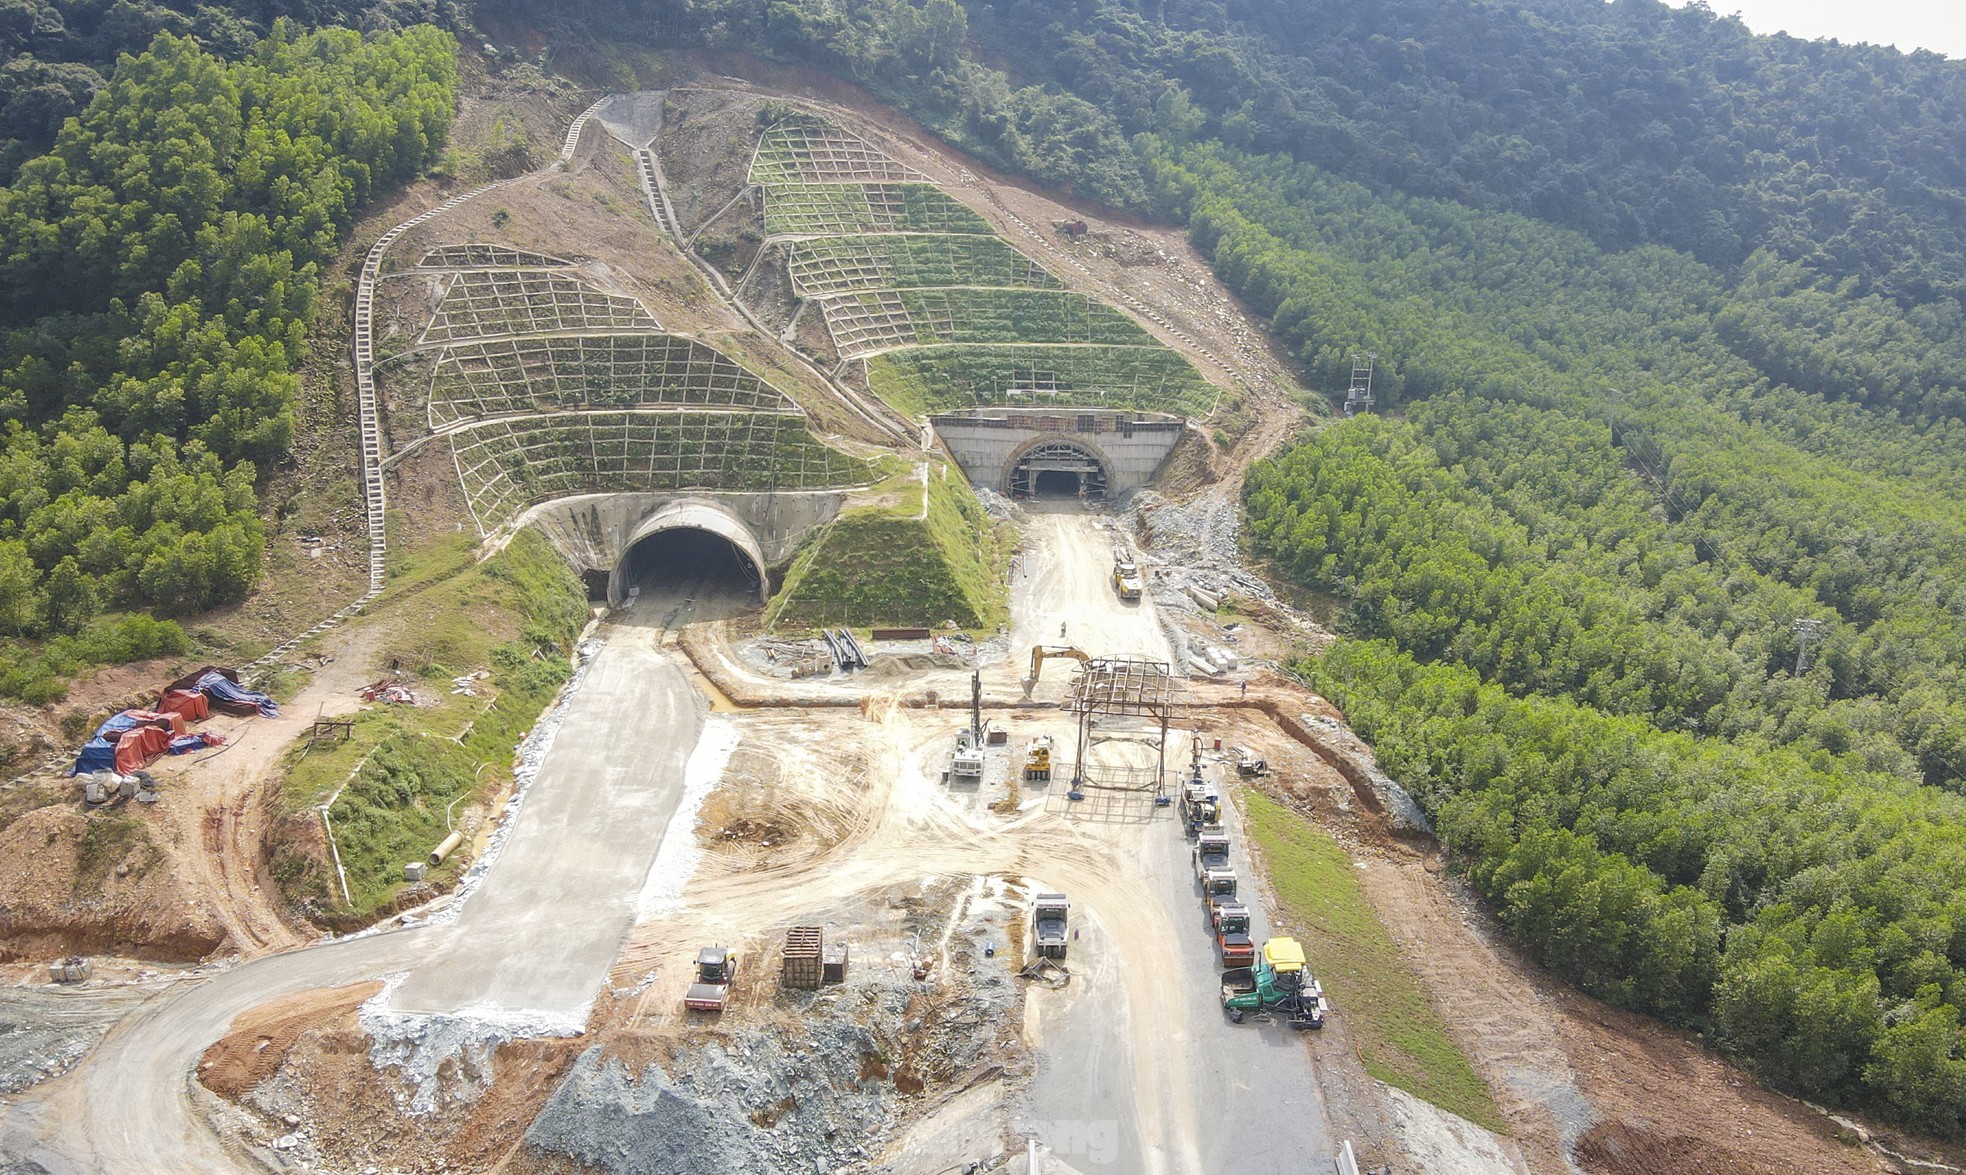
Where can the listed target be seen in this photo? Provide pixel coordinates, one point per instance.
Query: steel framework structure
(1123, 687)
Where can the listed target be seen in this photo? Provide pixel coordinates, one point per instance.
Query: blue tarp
(185, 744)
(219, 686)
(98, 754)
(117, 725)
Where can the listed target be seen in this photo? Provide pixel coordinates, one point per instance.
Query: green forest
(159, 266)
(1652, 576)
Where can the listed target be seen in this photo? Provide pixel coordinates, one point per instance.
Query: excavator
(1042, 653)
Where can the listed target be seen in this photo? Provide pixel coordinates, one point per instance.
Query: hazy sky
(1938, 25)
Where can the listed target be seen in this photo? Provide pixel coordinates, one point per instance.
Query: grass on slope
(1400, 1036)
(516, 615)
(882, 564)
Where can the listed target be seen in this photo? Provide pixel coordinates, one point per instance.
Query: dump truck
(715, 967)
(1048, 915)
(1231, 921)
(1279, 982)
(1126, 574)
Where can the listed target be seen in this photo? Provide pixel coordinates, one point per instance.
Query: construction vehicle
(1201, 807)
(1218, 885)
(715, 967)
(1211, 853)
(1278, 982)
(1201, 804)
(1037, 760)
(1231, 922)
(1126, 574)
(1042, 653)
(967, 761)
(1248, 765)
(1212, 868)
(1048, 911)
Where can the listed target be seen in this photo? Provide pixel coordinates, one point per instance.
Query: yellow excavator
(1041, 653)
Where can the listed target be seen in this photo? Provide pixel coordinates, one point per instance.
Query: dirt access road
(532, 945)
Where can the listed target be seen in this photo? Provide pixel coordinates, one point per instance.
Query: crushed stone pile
(820, 1090)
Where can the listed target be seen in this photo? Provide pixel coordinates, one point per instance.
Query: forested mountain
(1671, 339)
(55, 54)
(1669, 319)
(158, 269)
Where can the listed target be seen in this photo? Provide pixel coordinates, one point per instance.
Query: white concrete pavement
(536, 941)
(1251, 1087)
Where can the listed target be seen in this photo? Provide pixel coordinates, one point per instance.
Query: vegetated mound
(900, 564)
(905, 274)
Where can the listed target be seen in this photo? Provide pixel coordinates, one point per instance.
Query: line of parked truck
(1276, 980)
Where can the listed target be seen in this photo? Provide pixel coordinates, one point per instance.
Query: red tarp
(189, 683)
(138, 747)
(159, 718)
(191, 705)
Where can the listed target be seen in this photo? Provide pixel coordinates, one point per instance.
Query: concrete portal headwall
(988, 443)
(595, 532)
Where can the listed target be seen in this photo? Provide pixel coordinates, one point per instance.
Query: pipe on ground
(446, 847)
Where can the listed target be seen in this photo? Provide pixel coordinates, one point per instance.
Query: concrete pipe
(443, 850)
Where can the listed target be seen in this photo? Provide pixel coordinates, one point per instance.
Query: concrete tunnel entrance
(693, 549)
(1058, 469)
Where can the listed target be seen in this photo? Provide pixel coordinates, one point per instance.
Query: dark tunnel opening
(1058, 469)
(696, 562)
(1054, 483)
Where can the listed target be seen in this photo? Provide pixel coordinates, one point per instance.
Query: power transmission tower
(1809, 633)
(1358, 398)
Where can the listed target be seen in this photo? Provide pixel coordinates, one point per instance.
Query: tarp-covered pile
(218, 686)
(128, 741)
(221, 691)
(133, 738)
(189, 703)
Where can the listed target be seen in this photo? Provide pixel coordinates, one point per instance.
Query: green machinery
(1280, 982)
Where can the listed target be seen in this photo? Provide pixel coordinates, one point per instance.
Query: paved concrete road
(1251, 1089)
(536, 941)
(539, 934)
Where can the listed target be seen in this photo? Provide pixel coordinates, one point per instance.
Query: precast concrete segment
(537, 940)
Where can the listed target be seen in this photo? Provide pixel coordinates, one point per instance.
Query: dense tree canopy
(55, 54)
(157, 275)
